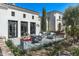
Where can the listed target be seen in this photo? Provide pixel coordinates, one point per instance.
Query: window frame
(59, 17)
(24, 15)
(32, 16)
(23, 23)
(32, 28)
(12, 13)
(16, 28)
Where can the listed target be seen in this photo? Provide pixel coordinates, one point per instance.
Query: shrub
(10, 44)
(48, 48)
(45, 45)
(66, 43)
(16, 51)
(53, 52)
(75, 51)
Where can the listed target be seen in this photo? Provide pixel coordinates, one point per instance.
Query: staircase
(5, 50)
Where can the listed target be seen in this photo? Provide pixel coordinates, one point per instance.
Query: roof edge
(34, 12)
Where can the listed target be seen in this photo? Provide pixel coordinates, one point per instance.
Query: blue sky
(49, 6)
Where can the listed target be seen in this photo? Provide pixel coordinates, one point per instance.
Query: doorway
(24, 28)
(32, 28)
(12, 29)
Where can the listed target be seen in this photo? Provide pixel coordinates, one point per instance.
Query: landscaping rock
(65, 53)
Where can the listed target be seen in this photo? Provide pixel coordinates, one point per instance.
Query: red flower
(27, 39)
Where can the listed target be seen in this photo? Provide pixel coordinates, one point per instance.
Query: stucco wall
(53, 21)
(57, 21)
(5, 15)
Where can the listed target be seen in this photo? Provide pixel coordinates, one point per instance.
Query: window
(32, 17)
(38, 25)
(12, 29)
(59, 17)
(24, 15)
(32, 28)
(13, 13)
(24, 28)
(59, 27)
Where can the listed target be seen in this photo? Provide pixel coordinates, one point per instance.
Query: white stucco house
(54, 19)
(15, 21)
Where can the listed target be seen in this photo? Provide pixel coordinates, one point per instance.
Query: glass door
(24, 28)
(32, 28)
(12, 29)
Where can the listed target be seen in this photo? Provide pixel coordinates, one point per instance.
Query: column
(19, 29)
(29, 27)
